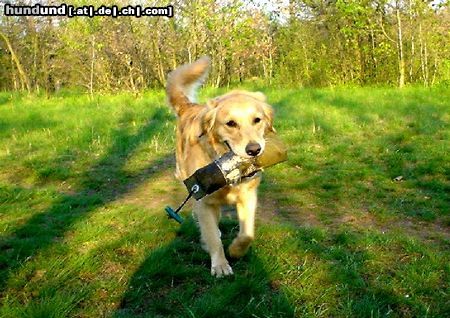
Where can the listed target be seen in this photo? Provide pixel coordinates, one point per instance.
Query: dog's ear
(193, 130)
(268, 118)
(201, 125)
(214, 102)
(209, 119)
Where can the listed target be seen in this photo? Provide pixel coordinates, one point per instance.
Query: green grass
(355, 224)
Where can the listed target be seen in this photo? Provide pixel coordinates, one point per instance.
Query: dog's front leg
(246, 209)
(208, 219)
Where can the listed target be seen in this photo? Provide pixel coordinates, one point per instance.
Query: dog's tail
(182, 84)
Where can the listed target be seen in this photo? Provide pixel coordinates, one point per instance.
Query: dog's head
(239, 120)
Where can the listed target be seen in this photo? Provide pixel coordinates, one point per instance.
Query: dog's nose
(253, 149)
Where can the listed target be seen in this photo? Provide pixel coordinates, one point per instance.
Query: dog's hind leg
(208, 219)
(246, 210)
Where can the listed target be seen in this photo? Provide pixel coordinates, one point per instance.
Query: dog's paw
(240, 246)
(221, 270)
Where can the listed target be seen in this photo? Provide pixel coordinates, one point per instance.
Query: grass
(355, 224)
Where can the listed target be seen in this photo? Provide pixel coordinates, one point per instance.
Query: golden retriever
(238, 120)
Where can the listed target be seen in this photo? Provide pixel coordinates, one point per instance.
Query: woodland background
(287, 43)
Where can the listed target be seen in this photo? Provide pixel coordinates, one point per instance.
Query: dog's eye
(256, 120)
(231, 123)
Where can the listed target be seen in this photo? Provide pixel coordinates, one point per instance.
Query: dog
(236, 121)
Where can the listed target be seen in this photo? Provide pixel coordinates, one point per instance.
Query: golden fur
(238, 118)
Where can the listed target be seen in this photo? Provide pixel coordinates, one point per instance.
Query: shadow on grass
(365, 289)
(104, 182)
(32, 122)
(174, 281)
(367, 166)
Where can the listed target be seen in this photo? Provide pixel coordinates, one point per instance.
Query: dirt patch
(270, 210)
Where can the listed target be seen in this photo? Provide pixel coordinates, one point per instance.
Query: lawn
(355, 224)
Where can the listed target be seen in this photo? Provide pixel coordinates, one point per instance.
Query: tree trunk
(374, 58)
(270, 66)
(14, 77)
(160, 67)
(219, 74)
(91, 80)
(411, 62)
(435, 67)
(23, 76)
(401, 60)
(423, 57)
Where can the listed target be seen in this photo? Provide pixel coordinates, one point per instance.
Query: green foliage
(290, 44)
